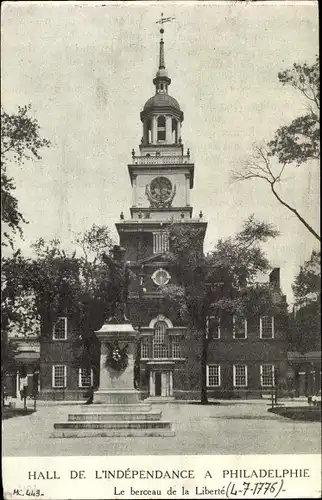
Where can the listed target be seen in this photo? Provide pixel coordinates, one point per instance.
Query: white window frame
(53, 377)
(246, 375)
(160, 241)
(261, 327)
(65, 328)
(218, 328)
(273, 375)
(146, 339)
(234, 329)
(175, 342)
(80, 378)
(160, 343)
(219, 375)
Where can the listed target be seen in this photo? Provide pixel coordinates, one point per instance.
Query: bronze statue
(118, 283)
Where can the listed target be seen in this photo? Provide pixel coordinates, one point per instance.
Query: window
(174, 130)
(60, 329)
(161, 128)
(145, 348)
(160, 242)
(240, 376)
(161, 277)
(160, 344)
(267, 375)
(175, 347)
(266, 327)
(213, 375)
(59, 375)
(239, 327)
(213, 327)
(85, 377)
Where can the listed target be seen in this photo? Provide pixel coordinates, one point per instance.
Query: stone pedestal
(117, 386)
(117, 410)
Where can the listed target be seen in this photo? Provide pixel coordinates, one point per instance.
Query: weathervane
(163, 20)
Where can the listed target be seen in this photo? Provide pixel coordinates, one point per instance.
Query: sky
(87, 70)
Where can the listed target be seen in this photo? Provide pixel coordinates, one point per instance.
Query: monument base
(114, 420)
(117, 396)
(116, 410)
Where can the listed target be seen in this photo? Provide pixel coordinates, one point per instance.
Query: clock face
(161, 277)
(160, 188)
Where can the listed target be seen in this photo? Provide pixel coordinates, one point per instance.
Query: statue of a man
(119, 282)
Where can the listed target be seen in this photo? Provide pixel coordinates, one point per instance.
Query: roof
(161, 100)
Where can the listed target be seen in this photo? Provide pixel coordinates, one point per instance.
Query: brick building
(245, 357)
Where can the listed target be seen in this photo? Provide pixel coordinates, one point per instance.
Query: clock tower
(162, 176)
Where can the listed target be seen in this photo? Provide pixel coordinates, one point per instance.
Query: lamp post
(35, 382)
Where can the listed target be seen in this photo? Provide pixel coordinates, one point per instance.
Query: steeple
(161, 56)
(161, 80)
(161, 115)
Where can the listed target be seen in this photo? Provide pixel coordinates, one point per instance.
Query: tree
(77, 287)
(221, 282)
(20, 141)
(307, 283)
(17, 309)
(296, 143)
(57, 283)
(299, 141)
(307, 312)
(261, 165)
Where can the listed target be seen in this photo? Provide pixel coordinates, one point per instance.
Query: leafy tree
(17, 308)
(307, 283)
(296, 143)
(223, 282)
(56, 283)
(307, 313)
(299, 141)
(20, 141)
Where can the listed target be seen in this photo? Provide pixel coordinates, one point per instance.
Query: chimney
(274, 278)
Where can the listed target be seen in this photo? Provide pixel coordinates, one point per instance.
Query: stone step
(113, 416)
(85, 433)
(160, 399)
(114, 425)
(119, 408)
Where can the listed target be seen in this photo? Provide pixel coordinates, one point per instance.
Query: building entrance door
(158, 385)
(161, 383)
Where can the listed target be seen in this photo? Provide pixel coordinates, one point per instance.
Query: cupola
(161, 115)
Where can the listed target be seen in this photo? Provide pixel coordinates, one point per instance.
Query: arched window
(174, 130)
(149, 132)
(160, 340)
(161, 128)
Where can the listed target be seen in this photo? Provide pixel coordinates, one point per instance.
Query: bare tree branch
(258, 166)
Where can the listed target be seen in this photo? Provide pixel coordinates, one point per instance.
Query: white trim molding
(160, 317)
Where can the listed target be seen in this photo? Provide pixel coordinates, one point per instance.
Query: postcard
(161, 250)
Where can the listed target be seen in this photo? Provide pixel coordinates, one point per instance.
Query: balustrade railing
(160, 160)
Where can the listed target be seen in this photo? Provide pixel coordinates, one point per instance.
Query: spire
(161, 55)
(161, 80)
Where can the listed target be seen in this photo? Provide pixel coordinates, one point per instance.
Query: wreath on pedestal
(116, 358)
